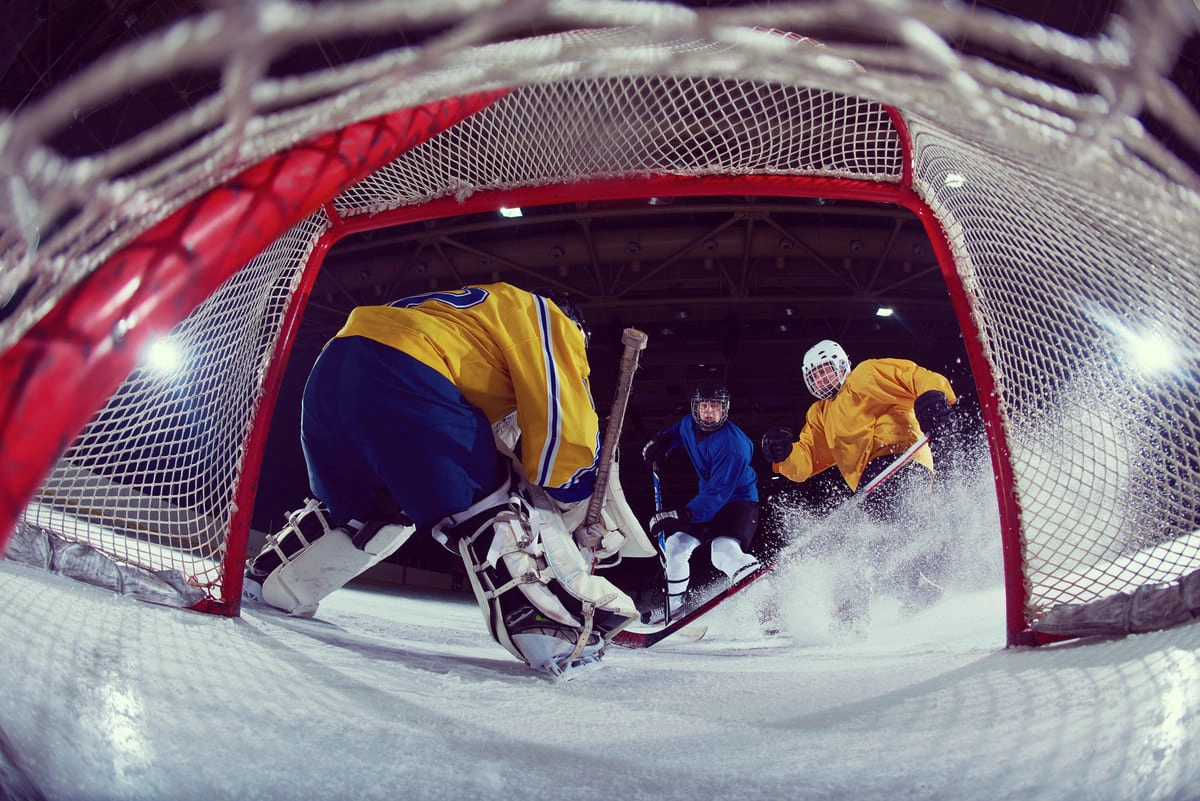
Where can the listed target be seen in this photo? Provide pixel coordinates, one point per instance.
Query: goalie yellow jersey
(505, 350)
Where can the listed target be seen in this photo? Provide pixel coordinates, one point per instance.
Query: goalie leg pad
(561, 616)
(308, 559)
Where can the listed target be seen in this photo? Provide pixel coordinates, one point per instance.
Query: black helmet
(566, 303)
(715, 393)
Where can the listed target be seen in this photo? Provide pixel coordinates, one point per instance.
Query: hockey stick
(662, 548)
(644, 639)
(901, 460)
(634, 342)
(640, 639)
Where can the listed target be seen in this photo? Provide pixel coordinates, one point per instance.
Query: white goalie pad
(533, 570)
(567, 565)
(539, 551)
(515, 544)
(299, 584)
(621, 531)
(617, 516)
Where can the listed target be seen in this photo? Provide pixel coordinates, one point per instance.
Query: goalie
(397, 430)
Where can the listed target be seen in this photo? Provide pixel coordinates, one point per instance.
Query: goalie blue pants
(375, 421)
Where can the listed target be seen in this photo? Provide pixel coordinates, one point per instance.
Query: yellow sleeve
(901, 378)
(810, 454)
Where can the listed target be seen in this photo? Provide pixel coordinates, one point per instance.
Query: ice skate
(657, 615)
(549, 647)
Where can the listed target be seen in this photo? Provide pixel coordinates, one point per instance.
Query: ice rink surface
(393, 695)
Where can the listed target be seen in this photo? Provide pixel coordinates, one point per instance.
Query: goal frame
(203, 229)
(1095, 482)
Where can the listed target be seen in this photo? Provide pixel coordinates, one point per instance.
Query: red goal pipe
(172, 268)
(70, 362)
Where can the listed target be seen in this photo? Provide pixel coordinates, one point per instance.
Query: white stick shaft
(635, 343)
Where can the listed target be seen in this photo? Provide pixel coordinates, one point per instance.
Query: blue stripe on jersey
(554, 416)
(456, 299)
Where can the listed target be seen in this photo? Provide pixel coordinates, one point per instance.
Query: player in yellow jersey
(862, 420)
(863, 416)
(397, 429)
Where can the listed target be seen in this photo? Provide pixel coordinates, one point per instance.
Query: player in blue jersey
(397, 429)
(724, 511)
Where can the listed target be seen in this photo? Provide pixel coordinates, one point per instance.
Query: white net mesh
(152, 478)
(1072, 230)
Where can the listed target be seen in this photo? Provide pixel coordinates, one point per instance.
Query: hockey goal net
(1065, 231)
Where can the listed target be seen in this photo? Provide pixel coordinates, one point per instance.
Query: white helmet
(826, 366)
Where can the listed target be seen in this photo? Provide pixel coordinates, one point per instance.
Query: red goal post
(1059, 251)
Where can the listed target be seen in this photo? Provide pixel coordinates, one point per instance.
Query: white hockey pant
(677, 551)
(314, 559)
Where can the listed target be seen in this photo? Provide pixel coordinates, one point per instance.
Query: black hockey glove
(932, 411)
(668, 521)
(777, 443)
(654, 452)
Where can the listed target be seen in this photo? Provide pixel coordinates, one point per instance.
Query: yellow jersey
(506, 350)
(870, 416)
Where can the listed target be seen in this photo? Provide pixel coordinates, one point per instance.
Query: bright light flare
(1154, 353)
(163, 357)
(1149, 351)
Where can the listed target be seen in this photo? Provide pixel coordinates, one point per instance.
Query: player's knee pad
(308, 559)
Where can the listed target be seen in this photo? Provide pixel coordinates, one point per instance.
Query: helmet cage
(826, 366)
(712, 395)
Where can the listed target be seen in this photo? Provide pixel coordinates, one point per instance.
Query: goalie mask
(826, 366)
(567, 305)
(710, 407)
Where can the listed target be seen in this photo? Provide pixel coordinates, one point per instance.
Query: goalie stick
(645, 639)
(633, 638)
(634, 342)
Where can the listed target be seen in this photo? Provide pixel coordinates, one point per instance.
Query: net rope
(1071, 227)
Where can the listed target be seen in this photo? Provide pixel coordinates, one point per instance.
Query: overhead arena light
(507, 212)
(884, 311)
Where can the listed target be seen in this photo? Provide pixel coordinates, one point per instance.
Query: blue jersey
(722, 463)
